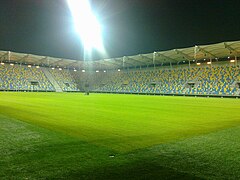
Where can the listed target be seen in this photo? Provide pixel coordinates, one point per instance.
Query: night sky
(131, 27)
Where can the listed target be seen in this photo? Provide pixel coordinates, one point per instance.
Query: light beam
(86, 24)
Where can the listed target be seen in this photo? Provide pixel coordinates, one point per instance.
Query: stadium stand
(216, 80)
(93, 79)
(219, 80)
(23, 78)
(200, 70)
(64, 79)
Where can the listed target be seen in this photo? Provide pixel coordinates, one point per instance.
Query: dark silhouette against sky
(130, 27)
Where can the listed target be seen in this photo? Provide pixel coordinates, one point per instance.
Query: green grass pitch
(104, 136)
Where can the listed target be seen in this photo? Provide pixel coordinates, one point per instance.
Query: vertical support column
(79, 66)
(154, 58)
(9, 56)
(124, 60)
(189, 64)
(47, 60)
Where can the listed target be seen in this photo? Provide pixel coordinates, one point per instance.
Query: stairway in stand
(52, 80)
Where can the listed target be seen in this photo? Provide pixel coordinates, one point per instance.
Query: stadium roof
(175, 56)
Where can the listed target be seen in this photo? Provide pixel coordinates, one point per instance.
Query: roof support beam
(71, 63)
(124, 59)
(43, 59)
(166, 57)
(55, 63)
(183, 54)
(131, 59)
(4, 55)
(150, 60)
(101, 63)
(205, 52)
(113, 63)
(230, 48)
(23, 58)
(132, 65)
(118, 60)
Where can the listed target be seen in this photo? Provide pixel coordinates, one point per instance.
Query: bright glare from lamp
(198, 64)
(232, 61)
(29, 66)
(86, 24)
(209, 62)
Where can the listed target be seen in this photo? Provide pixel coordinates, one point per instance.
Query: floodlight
(11, 64)
(198, 64)
(60, 69)
(29, 66)
(53, 68)
(86, 24)
(119, 69)
(209, 62)
(75, 70)
(232, 61)
(83, 70)
(37, 66)
(104, 71)
(97, 71)
(2, 63)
